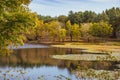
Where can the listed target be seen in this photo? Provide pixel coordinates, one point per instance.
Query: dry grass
(92, 47)
(87, 57)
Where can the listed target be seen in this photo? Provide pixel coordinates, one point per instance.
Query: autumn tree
(35, 33)
(73, 31)
(15, 20)
(84, 30)
(44, 30)
(54, 28)
(51, 30)
(62, 34)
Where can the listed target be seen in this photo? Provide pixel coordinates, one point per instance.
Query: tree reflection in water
(26, 58)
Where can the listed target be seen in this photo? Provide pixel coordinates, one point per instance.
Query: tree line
(78, 25)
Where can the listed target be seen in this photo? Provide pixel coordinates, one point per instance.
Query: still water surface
(32, 62)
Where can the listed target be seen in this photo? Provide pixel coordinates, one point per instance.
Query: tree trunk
(70, 37)
(36, 37)
(114, 34)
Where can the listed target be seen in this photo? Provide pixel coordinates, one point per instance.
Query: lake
(35, 62)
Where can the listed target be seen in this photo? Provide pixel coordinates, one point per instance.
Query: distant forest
(78, 25)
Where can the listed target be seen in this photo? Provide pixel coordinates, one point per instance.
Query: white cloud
(104, 0)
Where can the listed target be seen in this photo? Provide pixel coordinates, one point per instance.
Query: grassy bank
(113, 47)
(112, 50)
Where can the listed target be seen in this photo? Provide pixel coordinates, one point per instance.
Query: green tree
(71, 17)
(15, 20)
(101, 29)
(47, 19)
(102, 17)
(81, 17)
(76, 17)
(89, 16)
(114, 19)
(62, 18)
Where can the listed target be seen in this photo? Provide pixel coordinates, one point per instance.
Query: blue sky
(62, 7)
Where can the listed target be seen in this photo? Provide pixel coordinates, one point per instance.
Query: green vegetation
(79, 25)
(15, 20)
(101, 29)
(99, 75)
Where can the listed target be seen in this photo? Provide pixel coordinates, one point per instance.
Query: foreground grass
(92, 74)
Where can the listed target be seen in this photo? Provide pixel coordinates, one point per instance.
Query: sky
(62, 7)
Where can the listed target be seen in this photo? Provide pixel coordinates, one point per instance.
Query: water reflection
(37, 57)
(29, 57)
(37, 61)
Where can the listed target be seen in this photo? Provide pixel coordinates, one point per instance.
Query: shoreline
(91, 48)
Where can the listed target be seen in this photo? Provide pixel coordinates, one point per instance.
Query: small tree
(85, 31)
(76, 31)
(73, 30)
(54, 28)
(62, 34)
